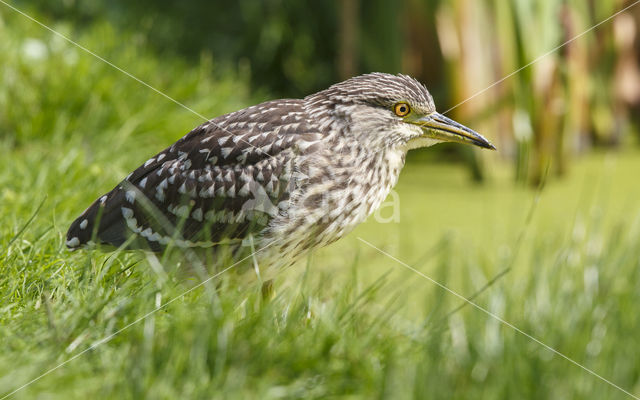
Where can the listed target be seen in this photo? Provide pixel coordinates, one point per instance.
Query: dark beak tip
(483, 143)
(489, 146)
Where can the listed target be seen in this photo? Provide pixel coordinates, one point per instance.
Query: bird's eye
(401, 109)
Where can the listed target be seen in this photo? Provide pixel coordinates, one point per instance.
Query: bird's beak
(439, 127)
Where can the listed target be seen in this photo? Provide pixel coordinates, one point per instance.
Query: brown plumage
(294, 174)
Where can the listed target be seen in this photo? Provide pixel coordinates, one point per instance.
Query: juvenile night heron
(291, 175)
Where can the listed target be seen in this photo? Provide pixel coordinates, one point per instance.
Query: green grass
(348, 321)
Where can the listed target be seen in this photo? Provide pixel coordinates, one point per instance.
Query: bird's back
(221, 182)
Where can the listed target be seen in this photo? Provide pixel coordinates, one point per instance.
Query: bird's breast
(332, 195)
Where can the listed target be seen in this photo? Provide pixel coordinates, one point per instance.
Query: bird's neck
(384, 168)
(373, 175)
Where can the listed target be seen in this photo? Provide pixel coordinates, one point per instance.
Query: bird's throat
(420, 142)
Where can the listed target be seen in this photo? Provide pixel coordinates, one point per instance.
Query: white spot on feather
(73, 242)
(84, 223)
(302, 145)
(130, 195)
(226, 151)
(182, 211)
(197, 214)
(244, 190)
(127, 212)
(207, 192)
(210, 216)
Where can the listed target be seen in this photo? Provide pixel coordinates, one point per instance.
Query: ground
(346, 321)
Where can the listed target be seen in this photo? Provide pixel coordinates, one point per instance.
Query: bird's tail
(101, 223)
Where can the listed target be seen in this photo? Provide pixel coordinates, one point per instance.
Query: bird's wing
(223, 180)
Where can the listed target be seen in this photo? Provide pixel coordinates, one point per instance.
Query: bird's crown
(384, 90)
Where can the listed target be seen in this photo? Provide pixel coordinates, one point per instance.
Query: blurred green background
(584, 96)
(559, 260)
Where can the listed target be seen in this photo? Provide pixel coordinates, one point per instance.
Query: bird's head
(384, 110)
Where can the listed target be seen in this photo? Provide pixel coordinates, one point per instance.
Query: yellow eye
(401, 109)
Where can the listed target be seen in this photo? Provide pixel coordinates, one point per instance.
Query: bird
(280, 178)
